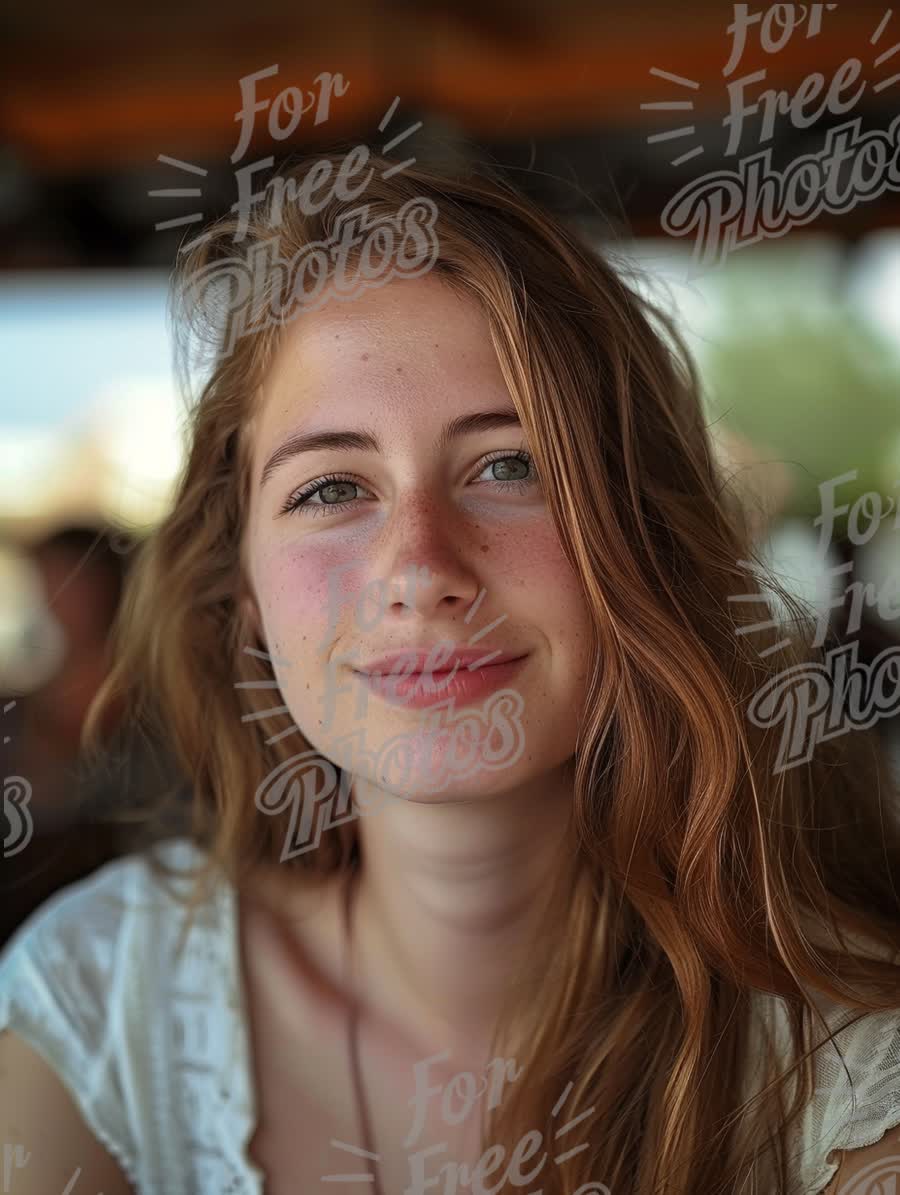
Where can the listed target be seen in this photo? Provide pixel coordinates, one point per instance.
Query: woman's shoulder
(68, 965)
(87, 918)
(106, 980)
(856, 1096)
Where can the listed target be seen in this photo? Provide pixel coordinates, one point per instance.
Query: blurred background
(118, 138)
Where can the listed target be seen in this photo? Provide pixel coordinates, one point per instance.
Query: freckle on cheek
(295, 595)
(311, 589)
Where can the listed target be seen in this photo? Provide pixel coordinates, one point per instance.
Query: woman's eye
(336, 494)
(510, 469)
(333, 494)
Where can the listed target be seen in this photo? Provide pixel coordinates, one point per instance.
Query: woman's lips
(441, 656)
(419, 690)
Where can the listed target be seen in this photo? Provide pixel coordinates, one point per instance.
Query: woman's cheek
(535, 557)
(565, 620)
(307, 593)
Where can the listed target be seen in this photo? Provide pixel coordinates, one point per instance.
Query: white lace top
(154, 1046)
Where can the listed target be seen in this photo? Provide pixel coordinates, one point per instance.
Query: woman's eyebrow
(365, 440)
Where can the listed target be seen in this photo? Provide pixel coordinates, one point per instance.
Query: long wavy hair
(707, 875)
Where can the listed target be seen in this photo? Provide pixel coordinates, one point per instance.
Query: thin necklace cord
(350, 890)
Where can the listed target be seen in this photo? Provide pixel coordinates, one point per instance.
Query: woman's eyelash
(301, 500)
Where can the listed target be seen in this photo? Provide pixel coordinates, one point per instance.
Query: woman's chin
(430, 788)
(473, 755)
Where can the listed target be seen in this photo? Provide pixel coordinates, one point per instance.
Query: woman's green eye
(333, 494)
(511, 468)
(327, 493)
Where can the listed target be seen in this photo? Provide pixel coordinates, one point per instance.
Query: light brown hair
(703, 871)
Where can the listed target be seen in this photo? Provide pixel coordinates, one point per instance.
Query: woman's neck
(451, 898)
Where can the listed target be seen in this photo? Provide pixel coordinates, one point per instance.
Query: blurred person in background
(82, 576)
(82, 571)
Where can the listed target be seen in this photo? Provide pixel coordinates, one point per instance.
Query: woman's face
(431, 535)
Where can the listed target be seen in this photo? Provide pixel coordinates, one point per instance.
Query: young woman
(492, 882)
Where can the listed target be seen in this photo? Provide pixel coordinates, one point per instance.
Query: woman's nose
(426, 561)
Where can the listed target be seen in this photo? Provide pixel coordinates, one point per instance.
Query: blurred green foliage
(819, 387)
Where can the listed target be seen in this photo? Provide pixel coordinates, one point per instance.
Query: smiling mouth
(419, 690)
(473, 666)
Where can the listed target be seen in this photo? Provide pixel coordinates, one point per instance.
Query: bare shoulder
(45, 1139)
(865, 1169)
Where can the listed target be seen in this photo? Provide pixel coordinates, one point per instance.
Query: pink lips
(418, 679)
(442, 657)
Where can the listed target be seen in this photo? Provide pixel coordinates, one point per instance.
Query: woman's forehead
(407, 315)
(381, 357)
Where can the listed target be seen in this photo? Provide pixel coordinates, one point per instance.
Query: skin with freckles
(454, 880)
(418, 534)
